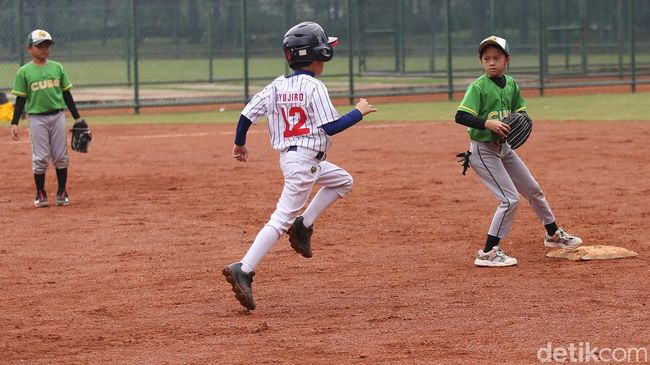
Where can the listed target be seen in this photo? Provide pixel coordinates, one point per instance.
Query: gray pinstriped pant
(49, 141)
(506, 176)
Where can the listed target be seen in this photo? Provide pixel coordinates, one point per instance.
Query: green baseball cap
(38, 36)
(494, 41)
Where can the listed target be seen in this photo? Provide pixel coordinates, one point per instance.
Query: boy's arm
(19, 108)
(469, 120)
(242, 128)
(69, 102)
(518, 102)
(348, 120)
(239, 150)
(253, 110)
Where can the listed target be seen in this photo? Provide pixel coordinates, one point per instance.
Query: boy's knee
(346, 185)
(61, 163)
(39, 166)
(511, 202)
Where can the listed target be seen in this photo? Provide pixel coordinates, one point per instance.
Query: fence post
(134, 46)
(450, 78)
(630, 22)
(21, 25)
(493, 23)
(583, 35)
(128, 44)
(399, 38)
(288, 23)
(540, 21)
(211, 14)
(361, 29)
(432, 55)
(621, 37)
(350, 55)
(244, 23)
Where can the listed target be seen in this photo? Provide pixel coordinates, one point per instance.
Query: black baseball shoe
(41, 199)
(241, 284)
(300, 237)
(62, 198)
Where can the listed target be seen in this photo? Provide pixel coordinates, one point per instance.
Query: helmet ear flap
(324, 52)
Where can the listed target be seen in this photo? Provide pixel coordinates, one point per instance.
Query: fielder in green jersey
(42, 89)
(488, 100)
(42, 86)
(485, 100)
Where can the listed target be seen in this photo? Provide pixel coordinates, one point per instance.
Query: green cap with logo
(38, 36)
(494, 41)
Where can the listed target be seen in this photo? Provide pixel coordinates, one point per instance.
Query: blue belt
(319, 155)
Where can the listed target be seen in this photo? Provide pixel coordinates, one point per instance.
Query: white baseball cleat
(494, 258)
(562, 239)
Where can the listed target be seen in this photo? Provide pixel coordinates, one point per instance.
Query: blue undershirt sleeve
(343, 122)
(242, 128)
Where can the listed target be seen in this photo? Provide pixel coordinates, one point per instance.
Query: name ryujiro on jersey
(289, 97)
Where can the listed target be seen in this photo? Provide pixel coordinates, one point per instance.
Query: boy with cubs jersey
(42, 89)
(487, 101)
(301, 119)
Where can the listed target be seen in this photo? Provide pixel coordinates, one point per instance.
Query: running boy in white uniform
(301, 119)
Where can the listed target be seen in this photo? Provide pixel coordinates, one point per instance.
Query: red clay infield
(129, 272)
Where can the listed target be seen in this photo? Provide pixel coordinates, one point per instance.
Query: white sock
(323, 199)
(265, 240)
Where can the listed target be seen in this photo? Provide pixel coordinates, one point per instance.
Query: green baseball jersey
(486, 100)
(42, 85)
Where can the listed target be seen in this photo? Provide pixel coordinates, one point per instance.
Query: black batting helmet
(308, 42)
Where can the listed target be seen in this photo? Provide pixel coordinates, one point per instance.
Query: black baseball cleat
(40, 200)
(62, 198)
(300, 237)
(241, 284)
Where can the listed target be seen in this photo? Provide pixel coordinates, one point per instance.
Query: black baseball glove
(520, 127)
(464, 160)
(81, 136)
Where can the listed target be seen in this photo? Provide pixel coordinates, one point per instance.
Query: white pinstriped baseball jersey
(295, 106)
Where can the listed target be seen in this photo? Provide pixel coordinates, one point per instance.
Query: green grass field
(189, 68)
(580, 107)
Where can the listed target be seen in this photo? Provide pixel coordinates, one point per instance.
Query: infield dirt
(130, 271)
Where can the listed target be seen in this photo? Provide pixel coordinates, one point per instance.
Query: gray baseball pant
(506, 176)
(49, 141)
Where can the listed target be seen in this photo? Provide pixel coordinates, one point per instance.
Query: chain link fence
(137, 53)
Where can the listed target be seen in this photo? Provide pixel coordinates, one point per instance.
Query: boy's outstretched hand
(364, 107)
(240, 153)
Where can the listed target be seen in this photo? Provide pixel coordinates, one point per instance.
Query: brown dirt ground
(129, 272)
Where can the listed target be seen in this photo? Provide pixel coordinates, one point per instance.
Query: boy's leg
(59, 147)
(487, 164)
(298, 183)
(528, 186)
(40, 138)
(336, 183)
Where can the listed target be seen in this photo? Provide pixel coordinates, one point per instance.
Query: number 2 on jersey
(297, 129)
